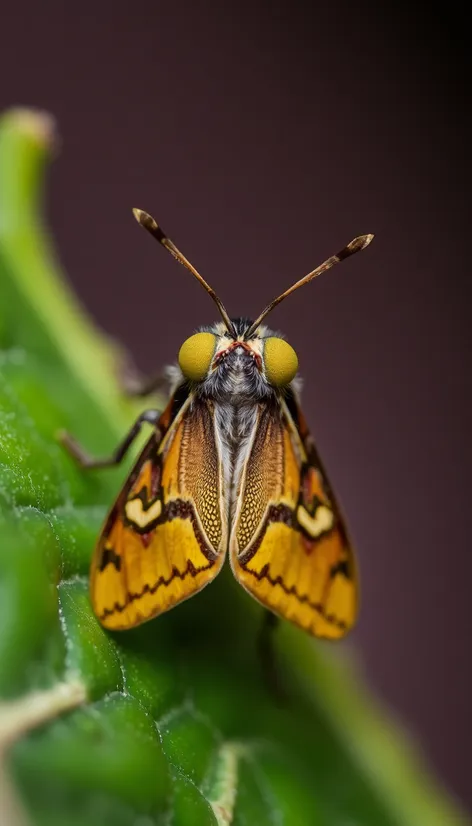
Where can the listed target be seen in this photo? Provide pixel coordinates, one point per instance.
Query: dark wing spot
(343, 568)
(109, 557)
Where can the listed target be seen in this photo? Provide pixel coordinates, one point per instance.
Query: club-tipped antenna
(356, 245)
(148, 222)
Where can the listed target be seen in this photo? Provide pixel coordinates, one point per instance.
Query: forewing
(165, 538)
(289, 546)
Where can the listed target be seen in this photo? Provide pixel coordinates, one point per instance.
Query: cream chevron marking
(321, 522)
(139, 515)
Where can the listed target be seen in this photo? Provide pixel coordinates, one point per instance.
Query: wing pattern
(289, 546)
(165, 538)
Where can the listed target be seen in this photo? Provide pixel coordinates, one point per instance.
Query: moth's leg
(138, 387)
(134, 384)
(86, 461)
(266, 652)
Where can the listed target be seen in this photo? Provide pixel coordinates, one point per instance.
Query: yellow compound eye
(196, 354)
(280, 361)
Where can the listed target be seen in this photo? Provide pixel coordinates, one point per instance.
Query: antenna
(148, 222)
(358, 244)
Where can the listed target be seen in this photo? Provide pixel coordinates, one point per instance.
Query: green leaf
(171, 722)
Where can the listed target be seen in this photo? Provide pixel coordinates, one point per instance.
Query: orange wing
(288, 545)
(166, 537)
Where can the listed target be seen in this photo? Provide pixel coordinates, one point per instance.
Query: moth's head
(232, 351)
(217, 353)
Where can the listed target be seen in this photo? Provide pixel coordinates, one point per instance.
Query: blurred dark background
(263, 137)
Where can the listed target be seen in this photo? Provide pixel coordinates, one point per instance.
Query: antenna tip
(360, 243)
(144, 219)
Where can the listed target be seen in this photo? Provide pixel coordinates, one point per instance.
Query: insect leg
(136, 385)
(141, 387)
(86, 461)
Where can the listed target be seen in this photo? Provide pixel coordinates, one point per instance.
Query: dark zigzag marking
(151, 589)
(292, 591)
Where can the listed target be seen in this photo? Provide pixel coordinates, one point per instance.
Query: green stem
(27, 140)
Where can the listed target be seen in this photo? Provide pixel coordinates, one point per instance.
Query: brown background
(265, 137)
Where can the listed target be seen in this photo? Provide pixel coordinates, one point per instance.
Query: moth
(230, 469)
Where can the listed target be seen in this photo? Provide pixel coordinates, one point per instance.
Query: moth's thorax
(235, 428)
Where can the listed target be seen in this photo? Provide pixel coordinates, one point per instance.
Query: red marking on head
(223, 353)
